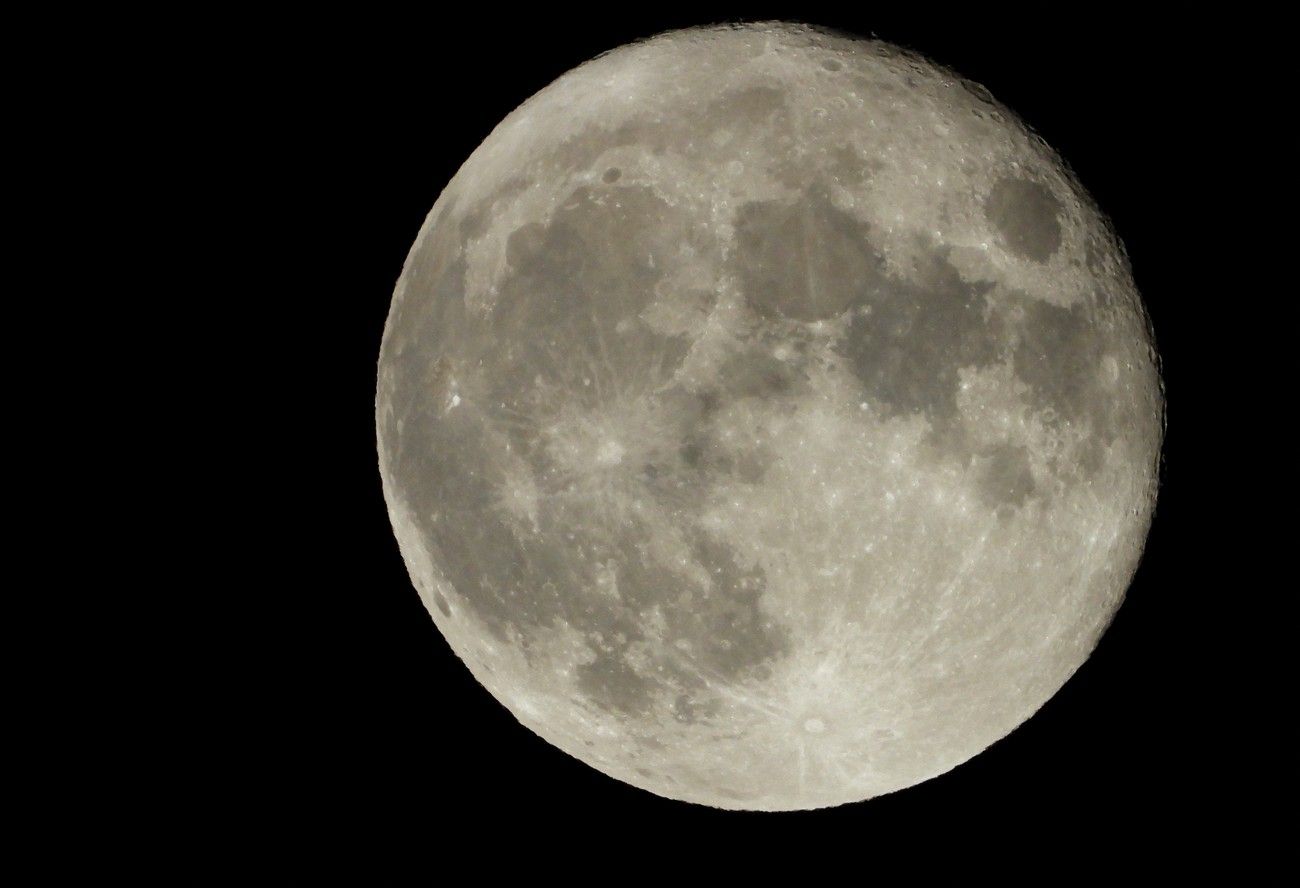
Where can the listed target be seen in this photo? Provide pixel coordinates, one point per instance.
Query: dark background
(369, 724)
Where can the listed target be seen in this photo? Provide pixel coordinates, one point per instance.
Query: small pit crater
(1110, 370)
(612, 175)
(440, 600)
(978, 90)
(832, 65)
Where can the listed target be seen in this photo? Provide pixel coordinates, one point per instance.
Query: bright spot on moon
(610, 454)
(768, 418)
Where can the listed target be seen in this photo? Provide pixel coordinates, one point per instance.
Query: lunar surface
(768, 418)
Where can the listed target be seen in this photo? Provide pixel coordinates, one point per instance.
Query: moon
(768, 418)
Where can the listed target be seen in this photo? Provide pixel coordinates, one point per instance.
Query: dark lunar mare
(909, 335)
(565, 332)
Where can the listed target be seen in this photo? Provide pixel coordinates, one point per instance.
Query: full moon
(768, 418)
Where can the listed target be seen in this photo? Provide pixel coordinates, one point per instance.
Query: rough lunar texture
(768, 418)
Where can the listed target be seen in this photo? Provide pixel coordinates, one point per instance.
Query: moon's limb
(768, 418)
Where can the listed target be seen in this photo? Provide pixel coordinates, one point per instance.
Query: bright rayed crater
(768, 418)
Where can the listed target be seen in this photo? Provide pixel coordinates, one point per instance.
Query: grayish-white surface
(767, 418)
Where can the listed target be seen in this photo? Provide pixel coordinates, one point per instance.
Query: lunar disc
(768, 418)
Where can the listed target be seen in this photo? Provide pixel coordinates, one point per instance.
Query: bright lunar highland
(768, 418)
